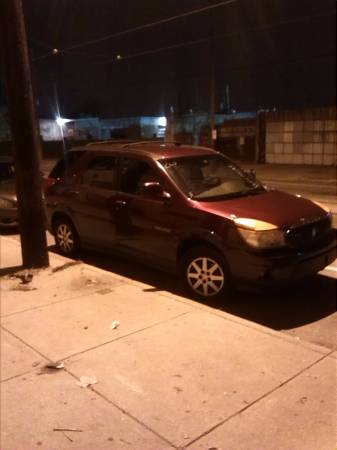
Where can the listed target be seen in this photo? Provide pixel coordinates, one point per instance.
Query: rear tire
(66, 237)
(205, 273)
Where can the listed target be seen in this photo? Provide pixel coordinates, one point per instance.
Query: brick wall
(302, 137)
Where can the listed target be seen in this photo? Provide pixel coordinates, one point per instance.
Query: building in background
(306, 136)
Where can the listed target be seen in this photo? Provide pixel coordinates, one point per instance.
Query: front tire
(205, 273)
(66, 237)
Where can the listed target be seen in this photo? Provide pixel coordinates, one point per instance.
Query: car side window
(101, 172)
(65, 163)
(132, 172)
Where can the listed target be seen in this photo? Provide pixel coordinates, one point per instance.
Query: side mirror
(154, 189)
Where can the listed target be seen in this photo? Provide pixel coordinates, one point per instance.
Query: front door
(144, 224)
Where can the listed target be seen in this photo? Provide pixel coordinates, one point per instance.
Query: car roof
(154, 150)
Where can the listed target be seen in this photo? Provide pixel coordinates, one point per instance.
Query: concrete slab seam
(245, 408)
(75, 377)
(27, 345)
(27, 372)
(123, 411)
(125, 336)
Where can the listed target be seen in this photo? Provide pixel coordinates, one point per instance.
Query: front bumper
(287, 265)
(8, 217)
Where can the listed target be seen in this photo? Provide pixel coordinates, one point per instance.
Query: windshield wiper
(247, 192)
(256, 190)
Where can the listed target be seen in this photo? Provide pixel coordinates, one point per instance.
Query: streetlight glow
(61, 121)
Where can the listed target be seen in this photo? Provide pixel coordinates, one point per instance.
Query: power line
(222, 36)
(201, 40)
(161, 49)
(141, 27)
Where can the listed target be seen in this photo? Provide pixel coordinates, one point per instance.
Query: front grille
(307, 233)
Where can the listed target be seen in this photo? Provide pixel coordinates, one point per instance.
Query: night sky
(271, 53)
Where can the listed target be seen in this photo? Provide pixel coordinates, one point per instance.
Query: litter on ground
(86, 382)
(115, 324)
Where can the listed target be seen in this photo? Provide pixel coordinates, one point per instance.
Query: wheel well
(192, 243)
(58, 216)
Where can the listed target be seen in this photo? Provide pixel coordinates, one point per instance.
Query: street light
(61, 121)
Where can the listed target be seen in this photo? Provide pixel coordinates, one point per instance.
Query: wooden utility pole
(260, 138)
(213, 136)
(25, 134)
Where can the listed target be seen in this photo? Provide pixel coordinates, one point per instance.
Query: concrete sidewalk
(174, 373)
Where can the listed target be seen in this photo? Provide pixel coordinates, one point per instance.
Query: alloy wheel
(65, 238)
(205, 276)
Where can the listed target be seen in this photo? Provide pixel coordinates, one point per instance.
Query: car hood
(278, 208)
(7, 190)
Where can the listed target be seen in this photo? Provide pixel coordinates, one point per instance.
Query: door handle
(119, 204)
(74, 192)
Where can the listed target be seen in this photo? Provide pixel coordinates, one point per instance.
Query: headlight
(260, 234)
(5, 203)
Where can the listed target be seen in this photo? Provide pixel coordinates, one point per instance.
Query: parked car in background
(185, 209)
(8, 202)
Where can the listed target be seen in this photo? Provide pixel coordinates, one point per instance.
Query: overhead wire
(219, 37)
(206, 39)
(140, 28)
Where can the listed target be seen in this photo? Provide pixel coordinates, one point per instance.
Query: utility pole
(170, 127)
(228, 101)
(26, 139)
(212, 92)
(260, 138)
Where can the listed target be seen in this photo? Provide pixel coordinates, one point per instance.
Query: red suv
(185, 209)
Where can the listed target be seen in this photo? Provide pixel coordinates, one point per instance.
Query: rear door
(93, 201)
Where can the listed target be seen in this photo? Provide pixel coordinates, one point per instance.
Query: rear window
(65, 163)
(101, 172)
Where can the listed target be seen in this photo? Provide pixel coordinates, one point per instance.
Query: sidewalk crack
(245, 408)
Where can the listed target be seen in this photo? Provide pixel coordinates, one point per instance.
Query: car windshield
(6, 171)
(210, 178)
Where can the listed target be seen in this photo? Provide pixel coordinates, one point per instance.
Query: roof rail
(110, 141)
(150, 142)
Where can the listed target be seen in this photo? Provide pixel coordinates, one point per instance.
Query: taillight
(48, 183)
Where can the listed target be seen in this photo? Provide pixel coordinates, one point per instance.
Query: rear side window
(66, 163)
(101, 172)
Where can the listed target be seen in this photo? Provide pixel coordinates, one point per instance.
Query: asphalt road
(306, 310)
